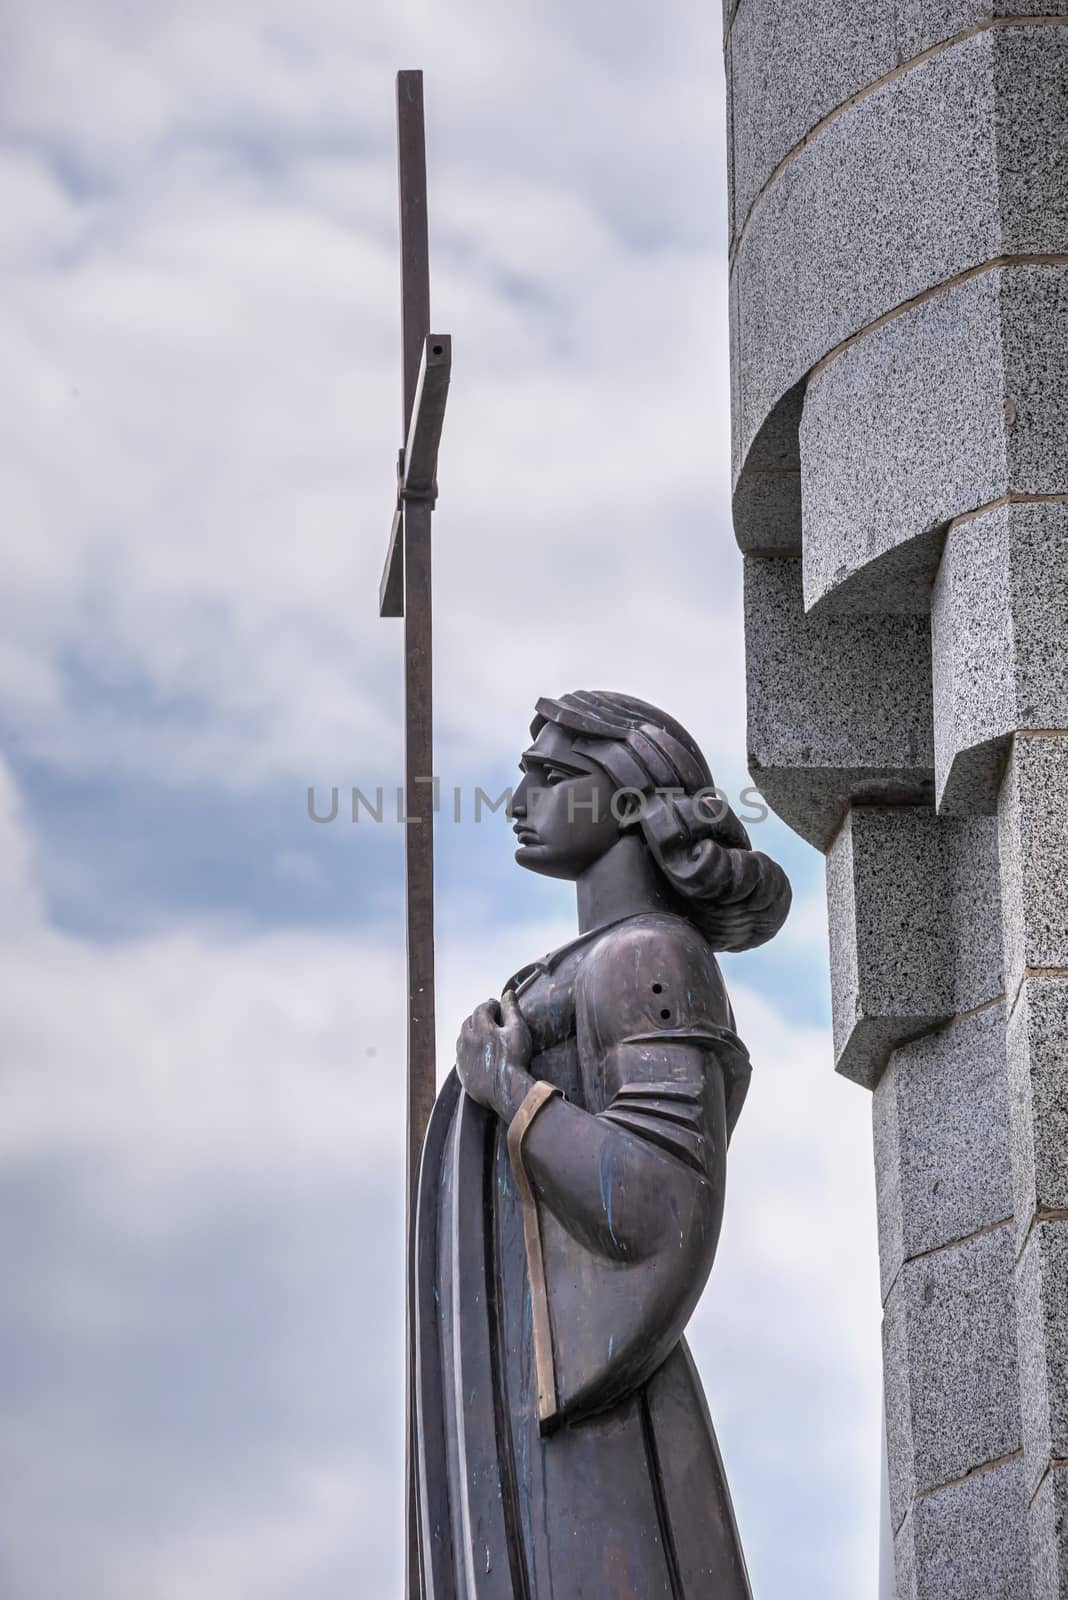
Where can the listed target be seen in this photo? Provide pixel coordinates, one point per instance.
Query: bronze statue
(571, 1192)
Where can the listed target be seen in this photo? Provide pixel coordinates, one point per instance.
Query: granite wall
(898, 217)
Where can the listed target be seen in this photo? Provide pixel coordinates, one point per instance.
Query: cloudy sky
(202, 998)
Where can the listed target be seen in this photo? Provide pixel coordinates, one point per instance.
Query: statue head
(605, 766)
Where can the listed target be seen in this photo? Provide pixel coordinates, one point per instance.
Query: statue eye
(554, 775)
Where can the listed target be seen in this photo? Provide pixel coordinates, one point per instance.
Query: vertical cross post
(406, 591)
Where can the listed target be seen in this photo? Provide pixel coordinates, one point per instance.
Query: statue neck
(623, 882)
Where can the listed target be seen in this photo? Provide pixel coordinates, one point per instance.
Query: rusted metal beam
(406, 591)
(417, 465)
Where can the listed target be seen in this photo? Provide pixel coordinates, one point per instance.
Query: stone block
(922, 24)
(890, 1202)
(1031, 99)
(736, 374)
(941, 1119)
(1033, 845)
(972, 664)
(1049, 1537)
(1038, 594)
(914, 929)
(955, 404)
(890, 199)
(793, 63)
(767, 494)
(950, 1366)
(906, 1577)
(728, 67)
(1034, 341)
(1042, 1333)
(767, 510)
(999, 631)
(952, 164)
(837, 709)
(968, 1541)
(1037, 1048)
(898, 1410)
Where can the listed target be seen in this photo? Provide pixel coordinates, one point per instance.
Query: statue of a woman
(571, 1192)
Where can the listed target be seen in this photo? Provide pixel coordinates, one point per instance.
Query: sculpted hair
(736, 896)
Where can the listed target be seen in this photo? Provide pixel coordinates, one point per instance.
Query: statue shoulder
(652, 974)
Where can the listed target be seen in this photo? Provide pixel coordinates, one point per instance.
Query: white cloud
(200, 424)
(199, 1152)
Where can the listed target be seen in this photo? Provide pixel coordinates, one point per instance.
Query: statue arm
(638, 1185)
(630, 1180)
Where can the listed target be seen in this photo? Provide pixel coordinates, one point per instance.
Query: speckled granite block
(972, 664)
(968, 1541)
(898, 1408)
(947, 408)
(767, 510)
(999, 632)
(793, 63)
(1039, 599)
(728, 70)
(890, 199)
(890, 1201)
(1033, 841)
(1049, 1537)
(767, 495)
(905, 1574)
(924, 23)
(777, 444)
(1037, 1044)
(952, 164)
(737, 368)
(836, 710)
(1042, 1313)
(902, 432)
(950, 1362)
(1034, 342)
(1031, 97)
(941, 1120)
(914, 929)
(974, 910)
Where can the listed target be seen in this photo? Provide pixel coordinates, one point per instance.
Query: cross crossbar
(417, 464)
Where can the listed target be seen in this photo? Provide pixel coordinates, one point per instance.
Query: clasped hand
(492, 1055)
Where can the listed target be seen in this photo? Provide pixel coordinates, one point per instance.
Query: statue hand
(492, 1054)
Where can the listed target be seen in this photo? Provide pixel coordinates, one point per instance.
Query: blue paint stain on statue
(571, 1193)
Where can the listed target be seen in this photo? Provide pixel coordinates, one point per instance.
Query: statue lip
(524, 834)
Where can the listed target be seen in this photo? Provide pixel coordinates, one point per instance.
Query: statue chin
(547, 862)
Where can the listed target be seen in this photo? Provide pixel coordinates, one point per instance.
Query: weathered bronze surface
(571, 1191)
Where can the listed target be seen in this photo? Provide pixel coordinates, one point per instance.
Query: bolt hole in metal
(438, 348)
(665, 1015)
(658, 988)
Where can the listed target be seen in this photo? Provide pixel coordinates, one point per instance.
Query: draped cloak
(565, 1450)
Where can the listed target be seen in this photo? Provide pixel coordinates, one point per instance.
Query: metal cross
(405, 592)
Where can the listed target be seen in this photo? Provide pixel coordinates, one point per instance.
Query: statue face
(562, 809)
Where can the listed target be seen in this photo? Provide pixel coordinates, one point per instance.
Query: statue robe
(565, 1449)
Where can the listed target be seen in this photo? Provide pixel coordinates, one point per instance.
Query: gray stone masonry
(941, 1123)
(898, 223)
(999, 644)
(952, 1396)
(910, 944)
